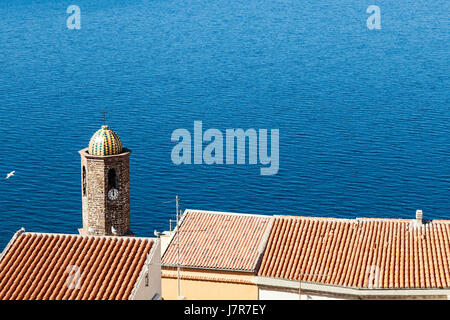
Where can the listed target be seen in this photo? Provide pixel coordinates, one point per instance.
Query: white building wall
(276, 295)
(165, 238)
(265, 294)
(282, 289)
(315, 297)
(149, 283)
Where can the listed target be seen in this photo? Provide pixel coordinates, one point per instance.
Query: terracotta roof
(215, 240)
(71, 267)
(361, 253)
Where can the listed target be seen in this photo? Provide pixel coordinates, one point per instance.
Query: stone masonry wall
(99, 212)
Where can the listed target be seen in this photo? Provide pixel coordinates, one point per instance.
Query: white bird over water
(9, 175)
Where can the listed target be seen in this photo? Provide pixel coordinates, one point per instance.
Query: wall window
(112, 179)
(83, 181)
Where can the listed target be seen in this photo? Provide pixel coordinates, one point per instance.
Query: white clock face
(113, 194)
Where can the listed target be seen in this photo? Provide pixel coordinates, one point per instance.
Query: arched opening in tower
(112, 179)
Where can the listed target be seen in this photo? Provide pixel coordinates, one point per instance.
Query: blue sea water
(363, 114)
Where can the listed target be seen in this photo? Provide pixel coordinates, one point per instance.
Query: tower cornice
(85, 153)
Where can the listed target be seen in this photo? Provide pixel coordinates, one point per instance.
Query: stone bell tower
(105, 185)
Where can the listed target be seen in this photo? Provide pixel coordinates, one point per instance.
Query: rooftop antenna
(178, 247)
(177, 232)
(104, 117)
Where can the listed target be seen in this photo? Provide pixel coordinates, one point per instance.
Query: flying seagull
(9, 175)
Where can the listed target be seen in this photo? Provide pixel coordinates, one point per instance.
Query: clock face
(113, 194)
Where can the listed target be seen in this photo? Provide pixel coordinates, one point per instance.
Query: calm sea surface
(363, 115)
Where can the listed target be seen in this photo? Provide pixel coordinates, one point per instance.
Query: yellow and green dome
(105, 142)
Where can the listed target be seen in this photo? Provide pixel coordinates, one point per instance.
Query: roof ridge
(86, 235)
(315, 218)
(356, 219)
(229, 213)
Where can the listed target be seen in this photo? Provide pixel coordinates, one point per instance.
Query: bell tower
(105, 185)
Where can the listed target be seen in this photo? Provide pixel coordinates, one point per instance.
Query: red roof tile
(215, 240)
(393, 253)
(41, 266)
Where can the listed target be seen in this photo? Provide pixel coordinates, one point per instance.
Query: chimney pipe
(419, 217)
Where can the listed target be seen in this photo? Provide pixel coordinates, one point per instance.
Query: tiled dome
(105, 142)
